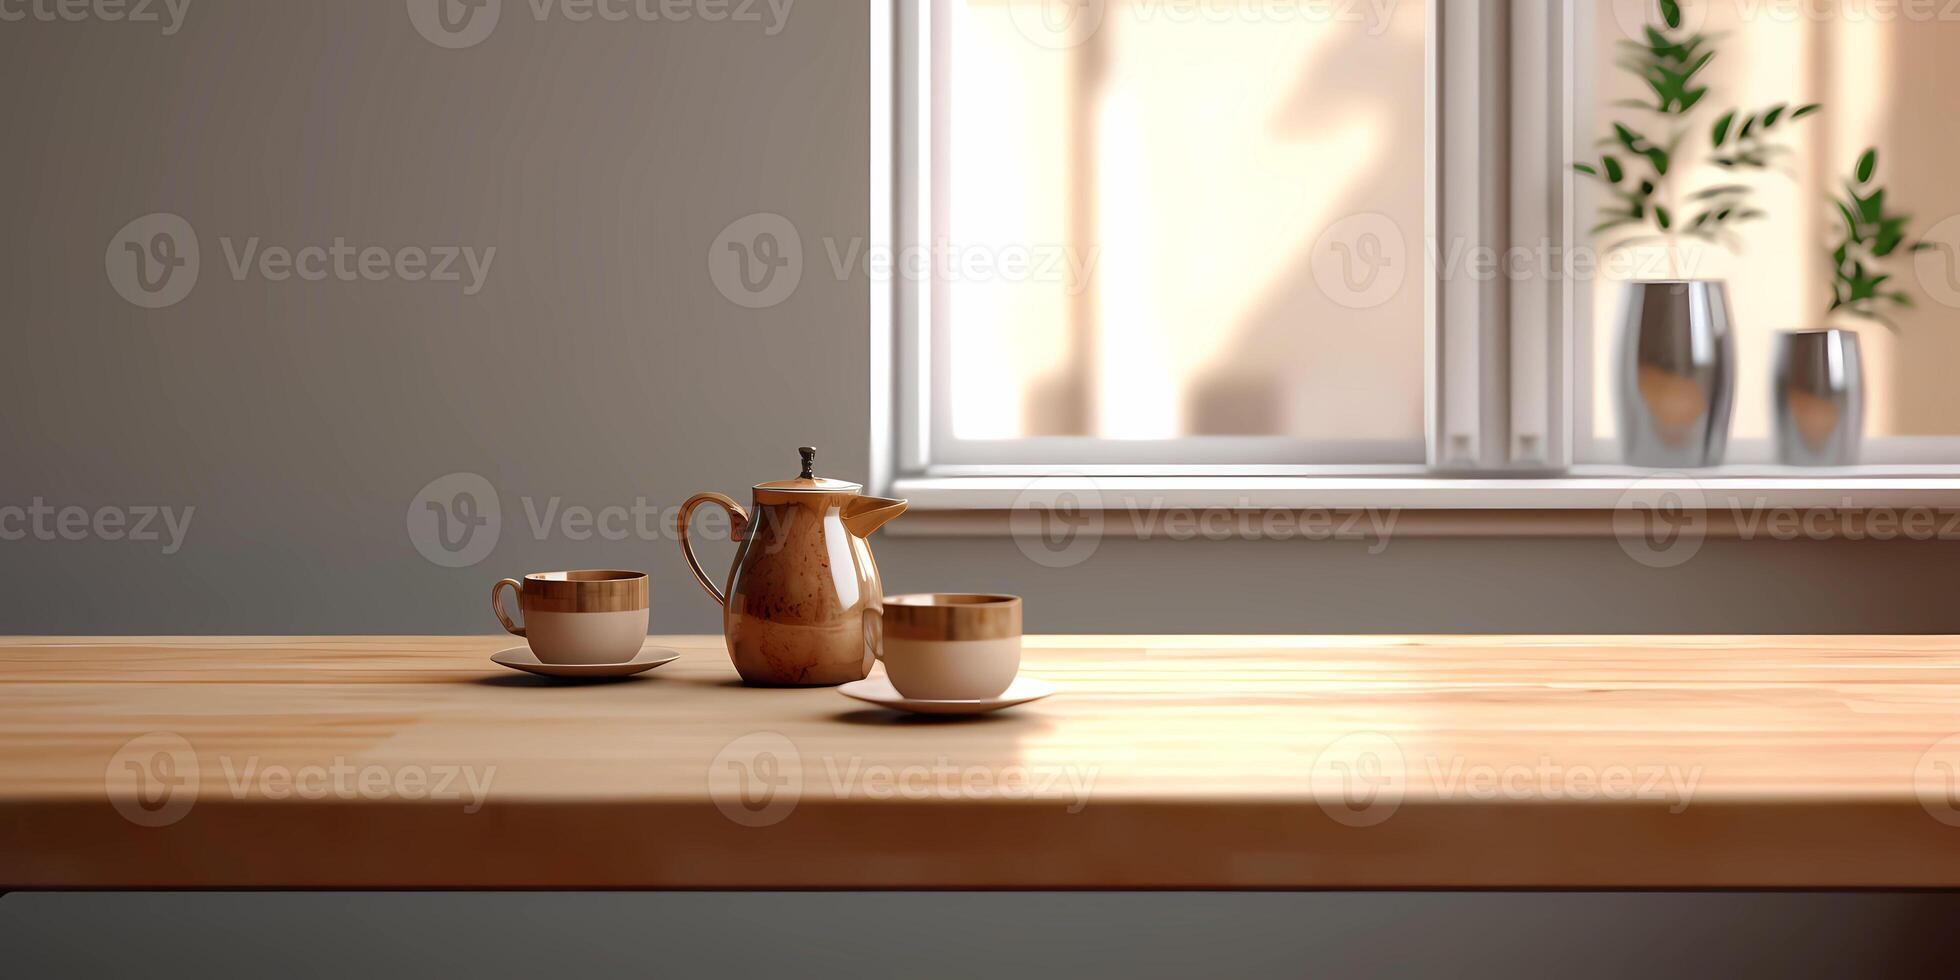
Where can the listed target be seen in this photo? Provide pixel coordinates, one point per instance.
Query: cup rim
(584, 576)
(952, 600)
(585, 590)
(946, 616)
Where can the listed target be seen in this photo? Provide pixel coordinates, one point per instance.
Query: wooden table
(1165, 762)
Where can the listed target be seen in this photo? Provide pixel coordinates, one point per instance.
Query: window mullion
(1469, 214)
(1539, 265)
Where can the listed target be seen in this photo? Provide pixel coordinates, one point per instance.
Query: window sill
(1579, 503)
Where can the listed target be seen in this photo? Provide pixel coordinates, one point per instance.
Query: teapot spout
(864, 515)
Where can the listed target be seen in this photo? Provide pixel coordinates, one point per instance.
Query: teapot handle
(738, 519)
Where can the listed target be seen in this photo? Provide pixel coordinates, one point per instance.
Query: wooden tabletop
(1197, 762)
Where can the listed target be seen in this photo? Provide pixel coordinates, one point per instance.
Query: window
(1333, 250)
(1885, 74)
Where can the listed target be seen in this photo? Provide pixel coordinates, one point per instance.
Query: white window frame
(1507, 360)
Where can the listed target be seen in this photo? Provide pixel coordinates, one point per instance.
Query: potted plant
(1820, 385)
(1677, 371)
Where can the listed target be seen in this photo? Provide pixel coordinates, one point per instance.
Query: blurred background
(591, 365)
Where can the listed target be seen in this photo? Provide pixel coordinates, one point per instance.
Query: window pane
(1886, 74)
(1185, 219)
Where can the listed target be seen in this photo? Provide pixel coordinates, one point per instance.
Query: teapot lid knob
(809, 462)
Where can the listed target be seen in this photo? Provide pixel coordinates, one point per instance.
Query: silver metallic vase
(1677, 373)
(1820, 398)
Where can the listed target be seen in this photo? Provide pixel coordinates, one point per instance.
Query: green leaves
(1749, 147)
(1641, 172)
(1871, 234)
(1668, 65)
(1639, 145)
(1609, 168)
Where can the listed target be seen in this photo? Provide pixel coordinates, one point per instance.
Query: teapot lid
(808, 482)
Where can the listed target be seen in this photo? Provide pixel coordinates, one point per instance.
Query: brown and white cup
(948, 646)
(590, 616)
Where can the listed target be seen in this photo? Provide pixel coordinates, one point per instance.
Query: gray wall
(1381, 934)
(598, 364)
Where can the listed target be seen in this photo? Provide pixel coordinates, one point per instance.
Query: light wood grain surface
(1316, 762)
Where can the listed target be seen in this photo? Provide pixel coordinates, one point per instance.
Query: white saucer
(879, 691)
(521, 658)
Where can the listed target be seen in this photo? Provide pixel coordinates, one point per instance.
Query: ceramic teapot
(803, 605)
